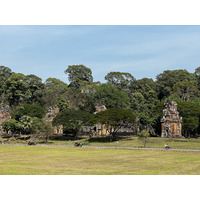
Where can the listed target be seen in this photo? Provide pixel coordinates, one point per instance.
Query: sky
(143, 51)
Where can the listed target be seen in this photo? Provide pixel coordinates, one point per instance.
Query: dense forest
(29, 98)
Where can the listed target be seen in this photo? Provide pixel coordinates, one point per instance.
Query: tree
(143, 99)
(54, 90)
(36, 125)
(17, 89)
(11, 125)
(120, 79)
(114, 119)
(167, 79)
(185, 90)
(62, 105)
(36, 87)
(72, 120)
(5, 73)
(25, 123)
(143, 136)
(190, 113)
(75, 99)
(79, 76)
(29, 110)
(45, 131)
(111, 97)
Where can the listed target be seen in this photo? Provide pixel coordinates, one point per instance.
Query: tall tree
(121, 80)
(54, 89)
(190, 113)
(111, 97)
(143, 99)
(36, 88)
(79, 76)
(185, 90)
(5, 73)
(197, 74)
(167, 80)
(17, 89)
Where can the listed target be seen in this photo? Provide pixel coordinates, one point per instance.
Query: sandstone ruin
(51, 114)
(171, 123)
(4, 116)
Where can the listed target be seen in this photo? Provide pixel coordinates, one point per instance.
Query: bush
(30, 110)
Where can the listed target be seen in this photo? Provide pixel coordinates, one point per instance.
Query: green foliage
(62, 105)
(36, 125)
(36, 87)
(17, 89)
(143, 136)
(72, 120)
(79, 75)
(55, 89)
(30, 110)
(5, 73)
(25, 123)
(143, 99)
(190, 113)
(120, 79)
(167, 80)
(114, 119)
(12, 125)
(197, 75)
(185, 90)
(45, 131)
(111, 97)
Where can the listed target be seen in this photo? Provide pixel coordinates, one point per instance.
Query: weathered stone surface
(100, 108)
(52, 113)
(171, 123)
(4, 116)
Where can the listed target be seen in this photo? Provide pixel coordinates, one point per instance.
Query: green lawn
(122, 142)
(63, 160)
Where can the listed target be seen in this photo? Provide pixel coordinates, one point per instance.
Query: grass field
(35, 160)
(124, 142)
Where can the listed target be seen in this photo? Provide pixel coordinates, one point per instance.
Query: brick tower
(171, 123)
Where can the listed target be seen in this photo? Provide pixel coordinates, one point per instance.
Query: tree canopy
(79, 75)
(27, 95)
(111, 97)
(72, 120)
(115, 119)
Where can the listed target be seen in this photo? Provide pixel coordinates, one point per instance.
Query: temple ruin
(171, 123)
(51, 114)
(4, 116)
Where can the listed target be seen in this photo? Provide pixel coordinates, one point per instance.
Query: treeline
(144, 97)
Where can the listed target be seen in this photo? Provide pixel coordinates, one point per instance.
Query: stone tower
(171, 123)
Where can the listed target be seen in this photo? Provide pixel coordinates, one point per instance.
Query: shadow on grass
(65, 138)
(106, 139)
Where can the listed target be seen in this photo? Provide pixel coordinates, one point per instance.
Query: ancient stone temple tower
(171, 123)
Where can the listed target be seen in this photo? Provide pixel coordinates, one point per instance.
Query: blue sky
(143, 51)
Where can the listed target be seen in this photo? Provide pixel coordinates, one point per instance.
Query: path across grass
(107, 147)
(153, 142)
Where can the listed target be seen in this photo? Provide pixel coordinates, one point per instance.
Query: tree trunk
(111, 137)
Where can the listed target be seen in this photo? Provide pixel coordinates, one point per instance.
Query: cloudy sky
(143, 51)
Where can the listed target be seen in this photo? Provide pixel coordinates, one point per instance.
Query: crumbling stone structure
(171, 123)
(52, 113)
(4, 116)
